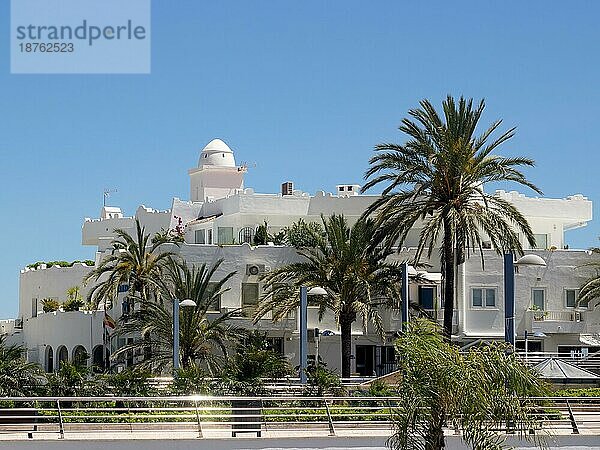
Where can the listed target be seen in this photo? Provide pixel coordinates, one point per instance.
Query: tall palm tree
(434, 182)
(136, 260)
(357, 278)
(202, 340)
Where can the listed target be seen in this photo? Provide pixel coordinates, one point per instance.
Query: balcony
(393, 318)
(561, 321)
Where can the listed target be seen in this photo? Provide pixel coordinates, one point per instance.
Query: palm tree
(591, 288)
(137, 261)
(435, 182)
(253, 362)
(478, 392)
(357, 278)
(202, 340)
(17, 376)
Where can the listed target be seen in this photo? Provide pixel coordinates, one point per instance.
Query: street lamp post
(509, 290)
(404, 296)
(187, 303)
(304, 293)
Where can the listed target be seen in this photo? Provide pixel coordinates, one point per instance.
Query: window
(249, 298)
(341, 188)
(538, 297)
(215, 305)
(349, 188)
(571, 296)
(483, 297)
(541, 241)
(275, 344)
(199, 237)
(209, 239)
(225, 235)
(125, 307)
(246, 235)
(34, 307)
(427, 297)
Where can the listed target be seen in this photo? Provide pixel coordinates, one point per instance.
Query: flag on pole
(109, 321)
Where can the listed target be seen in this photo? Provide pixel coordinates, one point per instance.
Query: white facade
(220, 219)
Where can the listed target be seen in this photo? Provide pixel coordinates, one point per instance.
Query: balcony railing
(557, 316)
(550, 321)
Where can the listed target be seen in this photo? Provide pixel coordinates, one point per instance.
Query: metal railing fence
(201, 416)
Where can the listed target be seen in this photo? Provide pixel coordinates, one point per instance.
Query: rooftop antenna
(248, 165)
(106, 194)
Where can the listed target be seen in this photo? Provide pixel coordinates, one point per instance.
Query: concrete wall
(56, 329)
(51, 282)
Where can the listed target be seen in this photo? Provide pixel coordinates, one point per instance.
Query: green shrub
(50, 305)
(191, 381)
(301, 234)
(322, 381)
(74, 300)
(379, 388)
(131, 382)
(584, 392)
(35, 265)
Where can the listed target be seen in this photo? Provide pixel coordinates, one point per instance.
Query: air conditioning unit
(254, 269)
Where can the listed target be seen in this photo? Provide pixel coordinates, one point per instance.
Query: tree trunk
(346, 328)
(448, 273)
(435, 436)
(435, 439)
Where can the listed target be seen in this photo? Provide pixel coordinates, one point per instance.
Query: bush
(50, 305)
(191, 381)
(301, 234)
(379, 388)
(74, 300)
(584, 392)
(69, 381)
(254, 361)
(35, 265)
(131, 382)
(322, 381)
(263, 237)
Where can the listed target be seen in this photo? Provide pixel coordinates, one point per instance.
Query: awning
(590, 340)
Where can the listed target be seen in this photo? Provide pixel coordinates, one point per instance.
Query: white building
(220, 220)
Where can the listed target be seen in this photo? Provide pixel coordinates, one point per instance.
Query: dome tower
(217, 175)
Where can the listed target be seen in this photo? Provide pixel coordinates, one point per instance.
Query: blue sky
(302, 89)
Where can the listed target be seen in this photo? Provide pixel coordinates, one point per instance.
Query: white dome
(216, 153)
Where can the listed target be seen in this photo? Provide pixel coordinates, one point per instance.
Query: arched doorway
(49, 359)
(100, 358)
(62, 355)
(80, 355)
